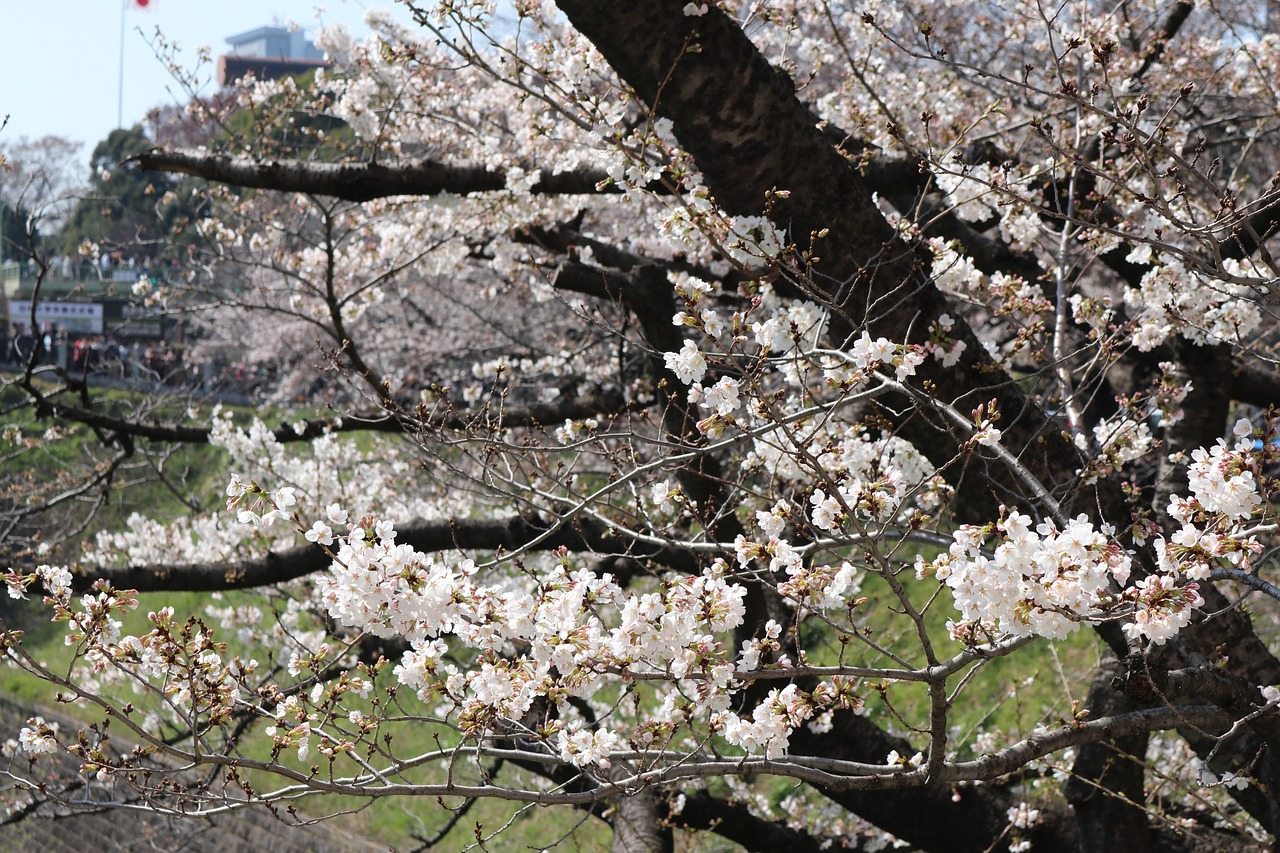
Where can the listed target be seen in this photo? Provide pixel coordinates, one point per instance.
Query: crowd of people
(83, 354)
(105, 268)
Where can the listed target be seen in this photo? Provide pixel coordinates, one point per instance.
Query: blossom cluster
(1041, 580)
(1217, 521)
(1171, 299)
(781, 713)
(1010, 579)
(572, 648)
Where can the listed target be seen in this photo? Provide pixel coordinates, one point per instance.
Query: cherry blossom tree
(710, 406)
(36, 189)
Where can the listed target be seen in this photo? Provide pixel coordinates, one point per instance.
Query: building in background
(268, 53)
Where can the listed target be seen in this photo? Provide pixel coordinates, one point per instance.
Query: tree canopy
(120, 209)
(810, 423)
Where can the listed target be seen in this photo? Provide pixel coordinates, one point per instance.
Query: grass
(1004, 695)
(394, 821)
(1011, 695)
(999, 696)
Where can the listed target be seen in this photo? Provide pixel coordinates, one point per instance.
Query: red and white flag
(138, 4)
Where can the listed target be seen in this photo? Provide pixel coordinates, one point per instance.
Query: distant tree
(122, 209)
(37, 179)
(17, 232)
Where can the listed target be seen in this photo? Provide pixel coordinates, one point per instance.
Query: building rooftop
(257, 33)
(276, 42)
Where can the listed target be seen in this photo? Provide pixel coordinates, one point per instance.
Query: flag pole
(120, 78)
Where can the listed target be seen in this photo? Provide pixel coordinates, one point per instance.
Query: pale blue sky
(59, 59)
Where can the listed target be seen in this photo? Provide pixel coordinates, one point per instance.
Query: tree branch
(503, 534)
(443, 417)
(363, 181)
(734, 821)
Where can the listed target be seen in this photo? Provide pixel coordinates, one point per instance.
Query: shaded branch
(444, 417)
(503, 534)
(1252, 230)
(735, 821)
(363, 181)
(1177, 17)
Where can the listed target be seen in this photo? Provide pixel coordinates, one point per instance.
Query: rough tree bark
(761, 139)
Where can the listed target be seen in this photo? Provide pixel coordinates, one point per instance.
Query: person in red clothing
(78, 356)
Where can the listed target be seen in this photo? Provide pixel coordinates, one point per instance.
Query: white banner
(72, 316)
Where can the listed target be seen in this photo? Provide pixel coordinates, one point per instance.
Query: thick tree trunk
(638, 825)
(759, 139)
(1106, 787)
(1227, 636)
(960, 820)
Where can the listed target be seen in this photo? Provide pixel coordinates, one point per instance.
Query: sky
(60, 59)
